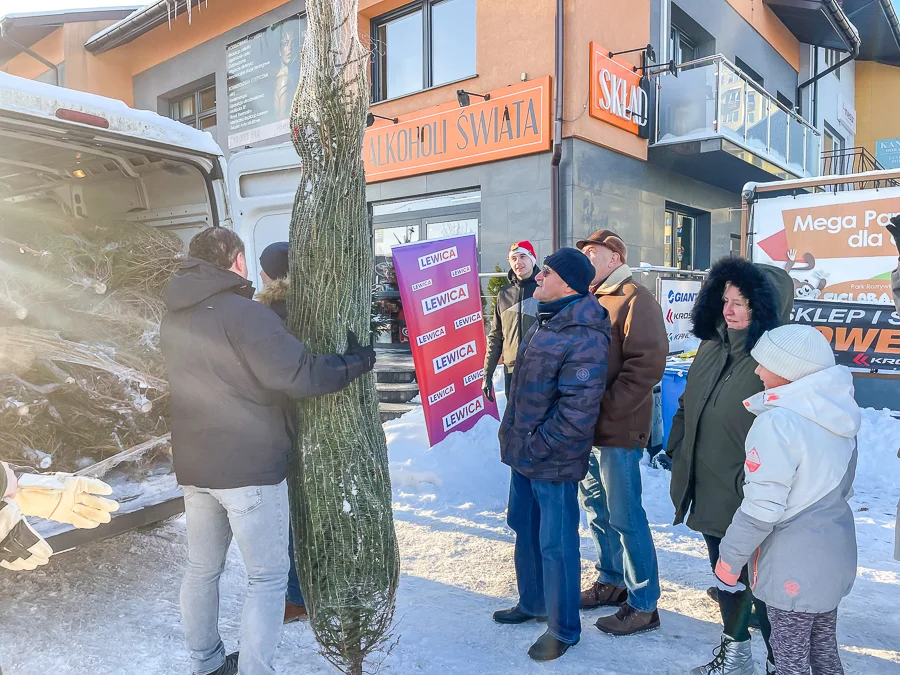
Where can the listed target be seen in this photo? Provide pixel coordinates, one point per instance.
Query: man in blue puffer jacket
(545, 438)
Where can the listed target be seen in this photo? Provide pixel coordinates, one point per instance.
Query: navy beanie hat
(573, 267)
(274, 260)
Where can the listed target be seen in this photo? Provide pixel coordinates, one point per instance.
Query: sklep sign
(861, 335)
(616, 94)
(441, 297)
(677, 297)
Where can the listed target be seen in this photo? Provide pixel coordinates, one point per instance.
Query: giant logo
(675, 296)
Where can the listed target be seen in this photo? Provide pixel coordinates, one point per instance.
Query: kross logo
(861, 360)
(672, 317)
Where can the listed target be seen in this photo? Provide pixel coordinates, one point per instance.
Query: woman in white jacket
(794, 526)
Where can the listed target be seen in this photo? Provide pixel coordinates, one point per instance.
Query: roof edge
(138, 23)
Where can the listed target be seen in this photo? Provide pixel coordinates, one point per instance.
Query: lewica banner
(441, 296)
(861, 335)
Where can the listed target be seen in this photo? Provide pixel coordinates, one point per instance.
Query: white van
(67, 154)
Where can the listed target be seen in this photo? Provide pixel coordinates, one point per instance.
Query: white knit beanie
(793, 351)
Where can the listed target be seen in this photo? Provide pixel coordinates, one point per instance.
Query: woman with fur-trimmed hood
(739, 302)
(273, 270)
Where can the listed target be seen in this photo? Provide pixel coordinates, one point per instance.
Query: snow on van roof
(37, 99)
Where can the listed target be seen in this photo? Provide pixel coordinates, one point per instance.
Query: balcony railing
(711, 98)
(845, 161)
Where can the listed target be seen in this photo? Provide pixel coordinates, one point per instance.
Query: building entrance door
(405, 222)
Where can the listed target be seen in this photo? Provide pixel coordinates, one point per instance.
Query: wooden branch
(43, 389)
(22, 248)
(45, 344)
(103, 467)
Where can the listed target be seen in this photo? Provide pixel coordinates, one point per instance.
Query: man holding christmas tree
(231, 363)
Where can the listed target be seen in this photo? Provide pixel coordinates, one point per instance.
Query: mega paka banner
(833, 244)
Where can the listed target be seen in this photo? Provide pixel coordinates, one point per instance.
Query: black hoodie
(231, 362)
(515, 311)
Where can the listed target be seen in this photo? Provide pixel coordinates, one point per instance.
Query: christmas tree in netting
(339, 481)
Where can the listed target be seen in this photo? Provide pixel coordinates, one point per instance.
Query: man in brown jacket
(628, 574)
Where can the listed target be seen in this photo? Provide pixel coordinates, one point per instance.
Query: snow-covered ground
(112, 607)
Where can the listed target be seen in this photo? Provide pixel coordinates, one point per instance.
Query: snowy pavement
(112, 607)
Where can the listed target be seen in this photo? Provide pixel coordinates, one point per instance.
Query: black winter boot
(514, 615)
(547, 648)
(230, 667)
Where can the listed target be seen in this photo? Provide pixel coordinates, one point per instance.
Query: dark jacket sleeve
(644, 350)
(494, 341)
(281, 362)
(895, 287)
(676, 432)
(581, 383)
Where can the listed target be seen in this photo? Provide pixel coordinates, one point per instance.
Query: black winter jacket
(515, 311)
(557, 386)
(231, 362)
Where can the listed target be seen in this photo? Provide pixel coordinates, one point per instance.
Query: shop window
(196, 109)
(832, 56)
(421, 45)
(678, 244)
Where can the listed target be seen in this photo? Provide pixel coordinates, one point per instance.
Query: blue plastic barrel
(673, 383)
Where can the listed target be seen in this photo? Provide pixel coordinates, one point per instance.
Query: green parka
(706, 442)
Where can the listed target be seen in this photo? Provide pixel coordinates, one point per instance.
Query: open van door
(262, 183)
(72, 157)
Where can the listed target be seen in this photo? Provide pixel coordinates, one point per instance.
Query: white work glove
(66, 498)
(21, 548)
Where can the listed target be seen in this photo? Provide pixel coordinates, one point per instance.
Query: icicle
(189, 2)
(169, 13)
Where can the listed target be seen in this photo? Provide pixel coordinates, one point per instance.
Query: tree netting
(81, 375)
(346, 547)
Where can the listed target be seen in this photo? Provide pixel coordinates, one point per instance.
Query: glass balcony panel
(713, 100)
(758, 112)
(732, 102)
(778, 131)
(688, 105)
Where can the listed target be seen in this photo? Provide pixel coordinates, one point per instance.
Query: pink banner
(441, 296)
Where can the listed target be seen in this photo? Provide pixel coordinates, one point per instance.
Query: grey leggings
(801, 641)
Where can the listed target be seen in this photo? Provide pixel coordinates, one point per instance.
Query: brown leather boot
(628, 621)
(603, 595)
(294, 612)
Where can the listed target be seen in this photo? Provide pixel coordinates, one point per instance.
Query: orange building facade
(667, 108)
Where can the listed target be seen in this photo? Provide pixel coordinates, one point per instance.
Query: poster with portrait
(263, 74)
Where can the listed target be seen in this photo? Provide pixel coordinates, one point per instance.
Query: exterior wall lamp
(371, 117)
(462, 96)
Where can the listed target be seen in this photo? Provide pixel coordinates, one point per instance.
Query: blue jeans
(611, 496)
(544, 515)
(257, 517)
(293, 594)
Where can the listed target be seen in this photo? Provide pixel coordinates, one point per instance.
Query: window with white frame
(832, 56)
